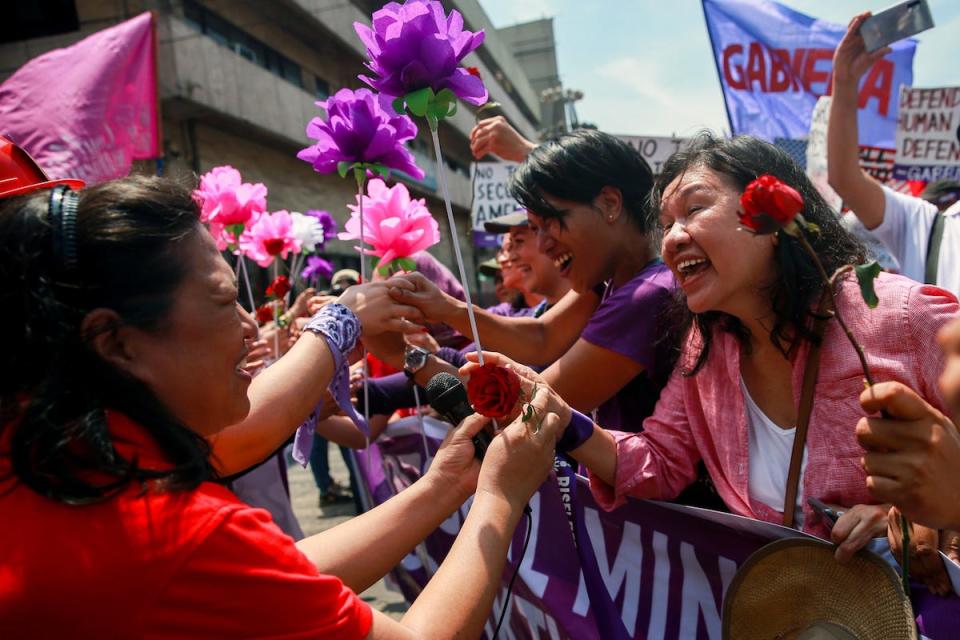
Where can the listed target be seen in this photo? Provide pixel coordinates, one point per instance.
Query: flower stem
(442, 178)
(830, 283)
(905, 559)
(360, 175)
(242, 268)
(276, 315)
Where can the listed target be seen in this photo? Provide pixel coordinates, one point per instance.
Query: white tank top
(770, 450)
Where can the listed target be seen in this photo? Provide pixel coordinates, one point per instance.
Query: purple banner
(647, 570)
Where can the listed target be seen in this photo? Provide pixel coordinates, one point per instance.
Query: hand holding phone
(896, 23)
(828, 513)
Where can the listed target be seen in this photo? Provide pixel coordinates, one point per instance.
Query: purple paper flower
(415, 45)
(359, 129)
(316, 268)
(326, 221)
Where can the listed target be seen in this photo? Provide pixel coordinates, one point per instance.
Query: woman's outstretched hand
(378, 311)
(415, 290)
(521, 456)
(529, 380)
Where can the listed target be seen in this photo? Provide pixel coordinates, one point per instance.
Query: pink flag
(89, 110)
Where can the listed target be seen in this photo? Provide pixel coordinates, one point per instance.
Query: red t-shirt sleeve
(248, 579)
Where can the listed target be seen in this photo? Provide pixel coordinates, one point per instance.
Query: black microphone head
(448, 397)
(441, 383)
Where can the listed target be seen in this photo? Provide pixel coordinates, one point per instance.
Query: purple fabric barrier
(647, 570)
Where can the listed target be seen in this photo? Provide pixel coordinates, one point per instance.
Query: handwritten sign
(655, 149)
(928, 134)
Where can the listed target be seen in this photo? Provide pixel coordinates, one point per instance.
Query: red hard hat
(20, 174)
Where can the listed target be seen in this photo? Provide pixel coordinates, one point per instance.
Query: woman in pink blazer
(747, 311)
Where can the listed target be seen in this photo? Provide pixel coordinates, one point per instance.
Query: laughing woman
(121, 378)
(733, 400)
(586, 196)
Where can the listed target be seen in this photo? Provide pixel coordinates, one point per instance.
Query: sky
(646, 68)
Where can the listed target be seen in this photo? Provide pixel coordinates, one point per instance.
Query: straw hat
(794, 589)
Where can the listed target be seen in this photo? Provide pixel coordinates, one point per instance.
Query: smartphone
(828, 513)
(896, 23)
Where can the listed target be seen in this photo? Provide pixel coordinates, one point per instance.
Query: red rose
(279, 287)
(493, 390)
(769, 205)
(264, 314)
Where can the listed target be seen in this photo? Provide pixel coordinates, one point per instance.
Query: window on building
(321, 88)
(241, 42)
(26, 20)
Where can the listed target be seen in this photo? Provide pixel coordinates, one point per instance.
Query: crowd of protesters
(134, 387)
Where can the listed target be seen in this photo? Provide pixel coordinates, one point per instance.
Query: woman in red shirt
(123, 398)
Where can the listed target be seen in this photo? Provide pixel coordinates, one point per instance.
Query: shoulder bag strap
(805, 409)
(933, 249)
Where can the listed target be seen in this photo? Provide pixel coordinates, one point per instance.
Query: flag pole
(155, 46)
(716, 62)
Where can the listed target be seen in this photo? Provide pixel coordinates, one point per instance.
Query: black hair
(795, 290)
(941, 191)
(54, 389)
(577, 166)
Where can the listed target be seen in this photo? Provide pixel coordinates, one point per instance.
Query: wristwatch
(414, 359)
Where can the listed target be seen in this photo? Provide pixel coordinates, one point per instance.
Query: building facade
(238, 80)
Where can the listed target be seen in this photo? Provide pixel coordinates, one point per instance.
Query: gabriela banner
(774, 63)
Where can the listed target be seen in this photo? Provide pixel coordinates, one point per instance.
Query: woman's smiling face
(719, 266)
(579, 245)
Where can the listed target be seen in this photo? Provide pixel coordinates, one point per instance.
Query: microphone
(448, 397)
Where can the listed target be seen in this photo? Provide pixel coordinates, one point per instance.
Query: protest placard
(817, 153)
(928, 134)
(491, 197)
(655, 149)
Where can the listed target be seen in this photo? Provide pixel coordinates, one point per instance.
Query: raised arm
(533, 341)
(495, 135)
(860, 192)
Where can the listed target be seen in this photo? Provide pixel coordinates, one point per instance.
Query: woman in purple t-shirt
(586, 196)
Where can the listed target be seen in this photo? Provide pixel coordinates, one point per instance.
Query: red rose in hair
(769, 205)
(493, 390)
(264, 314)
(279, 287)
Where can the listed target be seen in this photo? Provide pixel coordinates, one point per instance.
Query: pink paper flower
(225, 199)
(227, 203)
(270, 236)
(395, 225)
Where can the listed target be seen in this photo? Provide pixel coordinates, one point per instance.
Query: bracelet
(340, 328)
(577, 432)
